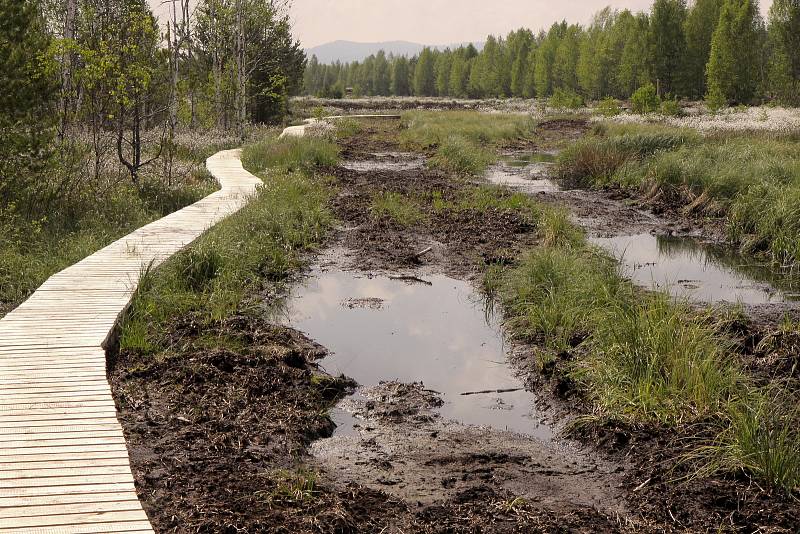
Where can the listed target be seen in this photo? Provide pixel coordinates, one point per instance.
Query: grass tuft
(290, 154)
(397, 207)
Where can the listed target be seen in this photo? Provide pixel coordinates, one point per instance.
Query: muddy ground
(231, 438)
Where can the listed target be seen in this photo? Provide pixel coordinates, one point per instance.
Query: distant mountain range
(347, 51)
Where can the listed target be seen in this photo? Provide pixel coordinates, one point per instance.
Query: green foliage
(596, 160)
(620, 51)
(608, 107)
(668, 44)
(752, 180)
(565, 99)
(29, 90)
(784, 41)
(424, 74)
(290, 154)
(428, 129)
(671, 107)
(458, 155)
(490, 197)
(646, 358)
(734, 61)
(645, 99)
(761, 438)
(701, 22)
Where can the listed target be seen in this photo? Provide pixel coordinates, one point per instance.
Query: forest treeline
(722, 50)
(88, 85)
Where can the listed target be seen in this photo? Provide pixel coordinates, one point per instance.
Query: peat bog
(229, 423)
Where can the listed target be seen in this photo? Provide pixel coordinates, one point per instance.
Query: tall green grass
(648, 359)
(290, 154)
(752, 180)
(463, 142)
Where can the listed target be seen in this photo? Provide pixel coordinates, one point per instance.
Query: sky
(439, 21)
(435, 22)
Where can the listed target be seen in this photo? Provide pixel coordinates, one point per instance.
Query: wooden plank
(73, 519)
(76, 498)
(129, 527)
(52, 465)
(23, 453)
(123, 505)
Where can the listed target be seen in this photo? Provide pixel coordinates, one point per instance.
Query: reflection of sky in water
(688, 268)
(434, 334)
(524, 172)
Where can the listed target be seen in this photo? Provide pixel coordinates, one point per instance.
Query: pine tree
(668, 45)
(733, 63)
(784, 40)
(424, 76)
(400, 77)
(701, 22)
(29, 93)
(443, 68)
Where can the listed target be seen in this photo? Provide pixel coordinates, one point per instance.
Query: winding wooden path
(64, 465)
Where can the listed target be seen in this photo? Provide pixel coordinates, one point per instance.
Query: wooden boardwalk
(64, 465)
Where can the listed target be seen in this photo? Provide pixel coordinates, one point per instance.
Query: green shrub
(715, 100)
(645, 99)
(595, 160)
(609, 107)
(671, 107)
(565, 99)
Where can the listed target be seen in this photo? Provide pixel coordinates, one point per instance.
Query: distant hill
(347, 51)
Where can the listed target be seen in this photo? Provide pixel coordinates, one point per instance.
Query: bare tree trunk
(173, 45)
(66, 69)
(241, 68)
(187, 38)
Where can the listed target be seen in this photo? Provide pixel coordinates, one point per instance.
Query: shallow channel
(685, 266)
(689, 268)
(527, 172)
(382, 329)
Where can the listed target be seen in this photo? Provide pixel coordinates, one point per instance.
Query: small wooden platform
(63, 461)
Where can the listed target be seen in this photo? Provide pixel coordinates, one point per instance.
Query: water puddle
(381, 329)
(700, 271)
(526, 159)
(387, 161)
(526, 172)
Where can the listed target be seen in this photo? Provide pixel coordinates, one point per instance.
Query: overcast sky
(437, 21)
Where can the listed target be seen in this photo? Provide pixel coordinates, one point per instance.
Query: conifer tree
(424, 75)
(733, 63)
(784, 41)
